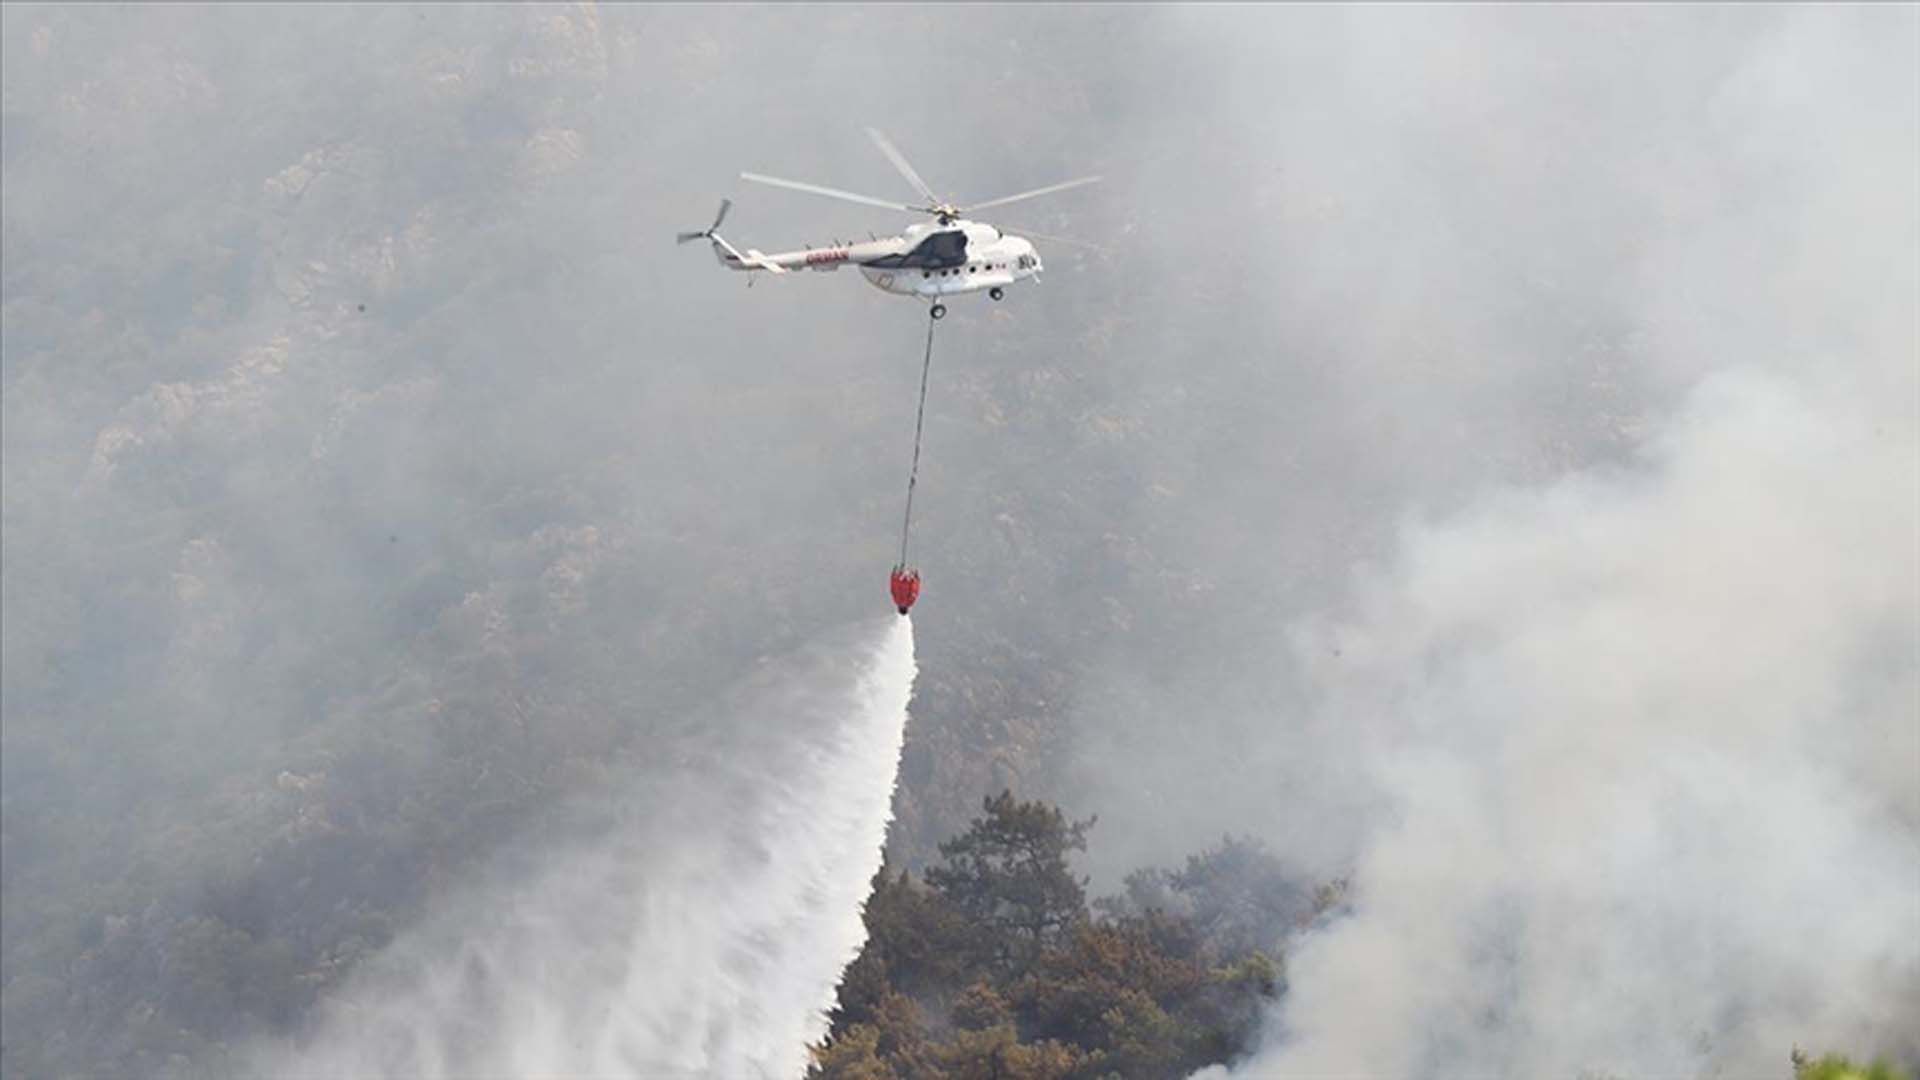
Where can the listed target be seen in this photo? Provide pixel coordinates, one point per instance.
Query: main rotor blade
(1048, 190)
(900, 162)
(832, 193)
(1030, 234)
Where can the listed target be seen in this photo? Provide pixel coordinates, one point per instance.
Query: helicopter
(928, 260)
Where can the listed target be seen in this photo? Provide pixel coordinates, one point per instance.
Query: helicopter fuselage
(927, 260)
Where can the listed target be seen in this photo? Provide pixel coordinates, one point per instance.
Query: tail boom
(730, 257)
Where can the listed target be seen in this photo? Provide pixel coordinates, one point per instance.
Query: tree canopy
(994, 965)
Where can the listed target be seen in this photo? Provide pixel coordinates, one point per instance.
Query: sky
(1481, 458)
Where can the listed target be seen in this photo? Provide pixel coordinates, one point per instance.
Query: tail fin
(729, 256)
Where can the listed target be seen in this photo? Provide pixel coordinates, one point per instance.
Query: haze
(1481, 460)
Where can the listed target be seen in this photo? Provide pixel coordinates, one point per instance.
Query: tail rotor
(707, 233)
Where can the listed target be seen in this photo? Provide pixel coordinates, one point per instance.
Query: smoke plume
(1645, 743)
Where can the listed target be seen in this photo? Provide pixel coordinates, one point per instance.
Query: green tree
(854, 1054)
(917, 945)
(1238, 897)
(996, 1053)
(993, 968)
(1840, 1067)
(1140, 994)
(1009, 873)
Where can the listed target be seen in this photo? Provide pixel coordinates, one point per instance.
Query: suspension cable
(919, 420)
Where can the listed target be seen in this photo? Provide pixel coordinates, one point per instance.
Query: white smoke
(701, 932)
(1648, 739)
(1632, 755)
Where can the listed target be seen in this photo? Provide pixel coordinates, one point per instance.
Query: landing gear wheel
(939, 311)
(997, 293)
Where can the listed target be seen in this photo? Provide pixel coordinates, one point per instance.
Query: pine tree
(1009, 873)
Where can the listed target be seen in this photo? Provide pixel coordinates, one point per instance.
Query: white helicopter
(947, 256)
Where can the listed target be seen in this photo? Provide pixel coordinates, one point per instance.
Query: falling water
(700, 929)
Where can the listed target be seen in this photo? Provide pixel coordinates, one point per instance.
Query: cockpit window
(939, 250)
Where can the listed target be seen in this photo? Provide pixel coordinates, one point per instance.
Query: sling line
(919, 420)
